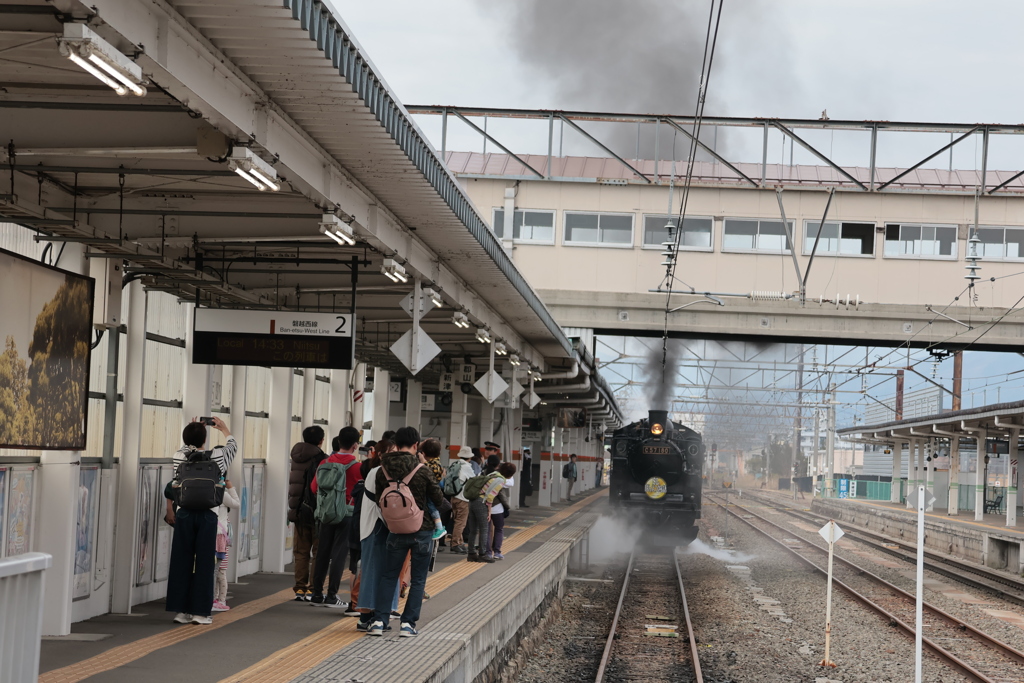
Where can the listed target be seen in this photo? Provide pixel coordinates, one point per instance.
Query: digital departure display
(273, 339)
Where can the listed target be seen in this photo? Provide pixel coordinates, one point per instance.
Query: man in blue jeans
(396, 466)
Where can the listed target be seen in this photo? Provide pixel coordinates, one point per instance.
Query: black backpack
(565, 471)
(307, 503)
(198, 483)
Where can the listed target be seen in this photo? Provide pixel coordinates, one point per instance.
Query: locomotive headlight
(657, 429)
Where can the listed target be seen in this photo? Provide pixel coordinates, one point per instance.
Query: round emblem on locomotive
(655, 488)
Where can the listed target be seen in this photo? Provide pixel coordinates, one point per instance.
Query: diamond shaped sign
(929, 499)
(516, 390)
(532, 399)
(831, 532)
(491, 385)
(406, 304)
(426, 352)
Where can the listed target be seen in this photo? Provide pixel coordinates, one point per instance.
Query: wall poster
(85, 531)
(19, 512)
(256, 513)
(3, 509)
(149, 484)
(45, 336)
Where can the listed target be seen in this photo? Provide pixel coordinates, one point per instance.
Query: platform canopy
(233, 92)
(999, 419)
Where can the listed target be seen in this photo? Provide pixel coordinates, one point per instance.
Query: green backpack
(474, 485)
(331, 504)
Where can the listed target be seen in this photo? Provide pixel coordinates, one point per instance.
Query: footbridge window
(598, 229)
(696, 235)
(846, 239)
(527, 226)
(911, 240)
(1001, 243)
(749, 234)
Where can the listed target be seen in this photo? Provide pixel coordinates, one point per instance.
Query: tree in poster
(58, 371)
(13, 384)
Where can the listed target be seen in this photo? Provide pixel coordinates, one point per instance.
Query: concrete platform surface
(267, 637)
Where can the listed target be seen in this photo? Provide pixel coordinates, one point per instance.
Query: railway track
(1005, 587)
(651, 636)
(952, 640)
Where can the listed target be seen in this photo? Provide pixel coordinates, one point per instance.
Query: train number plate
(656, 450)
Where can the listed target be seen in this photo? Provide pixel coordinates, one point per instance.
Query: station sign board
(289, 339)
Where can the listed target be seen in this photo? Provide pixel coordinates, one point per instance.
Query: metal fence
(21, 616)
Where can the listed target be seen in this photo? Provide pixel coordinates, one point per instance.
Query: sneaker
(307, 596)
(459, 549)
(182, 618)
(408, 631)
(362, 625)
(426, 595)
(220, 606)
(375, 629)
(351, 611)
(499, 556)
(472, 557)
(202, 621)
(300, 596)
(317, 599)
(335, 603)
(486, 558)
(439, 532)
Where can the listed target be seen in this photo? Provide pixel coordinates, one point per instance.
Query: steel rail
(907, 553)
(944, 654)
(607, 654)
(698, 675)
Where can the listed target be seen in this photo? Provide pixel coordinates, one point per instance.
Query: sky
(910, 60)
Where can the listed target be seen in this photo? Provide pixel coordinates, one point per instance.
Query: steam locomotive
(657, 465)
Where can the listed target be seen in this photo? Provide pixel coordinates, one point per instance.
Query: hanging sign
(447, 382)
(278, 339)
(466, 373)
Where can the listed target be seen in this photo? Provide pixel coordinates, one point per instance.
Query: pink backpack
(398, 506)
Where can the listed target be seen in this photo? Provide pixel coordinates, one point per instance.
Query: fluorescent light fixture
(514, 360)
(434, 297)
(394, 271)
(536, 377)
(460, 319)
(255, 170)
(500, 349)
(338, 230)
(84, 47)
(483, 336)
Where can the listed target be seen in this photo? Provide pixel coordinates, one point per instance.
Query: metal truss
(850, 179)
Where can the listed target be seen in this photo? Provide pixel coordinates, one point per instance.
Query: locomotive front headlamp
(657, 429)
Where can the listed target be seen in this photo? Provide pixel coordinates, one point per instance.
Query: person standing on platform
(459, 472)
(598, 471)
(400, 475)
(526, 478)
(477, 461)
(194, 545)
(333, 483)
(306, 457)
(571, 473)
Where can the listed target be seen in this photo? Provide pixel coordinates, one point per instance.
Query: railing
(21, 616)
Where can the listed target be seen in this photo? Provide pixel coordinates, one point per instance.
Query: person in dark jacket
(398, 465)
(306, 457)
(526, 477)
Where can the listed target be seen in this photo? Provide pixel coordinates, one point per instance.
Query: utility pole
(830, 436)
(817, 450)
(958, 379)
(799, 415)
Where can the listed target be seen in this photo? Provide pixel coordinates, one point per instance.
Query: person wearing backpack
(403, 486)
(333, 484)
(458, 473)
(481, 491)
(306, 457)
(571, 474)
(194, 545)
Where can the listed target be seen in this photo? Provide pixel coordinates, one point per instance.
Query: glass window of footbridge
(846, 239)
(911, 240)
(749, 234)
(696, 232)
(1001, 243)
(527, 226)
(598, 229)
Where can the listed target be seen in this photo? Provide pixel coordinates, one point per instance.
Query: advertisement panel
(45, 338)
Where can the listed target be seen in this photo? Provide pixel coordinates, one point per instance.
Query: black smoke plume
(661, 370)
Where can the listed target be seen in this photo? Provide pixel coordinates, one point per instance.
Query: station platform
(475, 610)
(989, 542)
